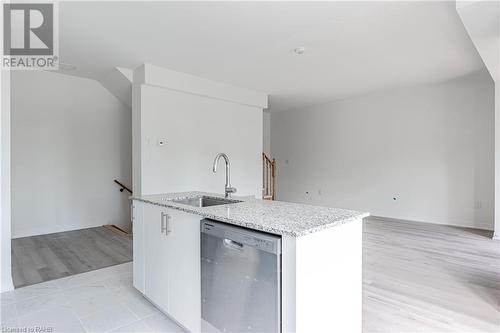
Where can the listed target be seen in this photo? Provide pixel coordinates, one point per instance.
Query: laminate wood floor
(421, 277)
(46, 257)
(416, 278)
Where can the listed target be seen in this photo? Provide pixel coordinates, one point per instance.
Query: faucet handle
(230, 189)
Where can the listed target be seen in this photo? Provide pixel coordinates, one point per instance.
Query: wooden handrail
(123, 187)
(266, 158)
(268, 177)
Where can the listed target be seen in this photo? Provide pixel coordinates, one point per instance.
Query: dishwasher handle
(231, 244)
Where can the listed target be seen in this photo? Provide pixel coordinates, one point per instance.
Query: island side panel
(327, 282)
(288, 286)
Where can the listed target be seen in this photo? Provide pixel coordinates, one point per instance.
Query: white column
(5, 234)
(497, 161)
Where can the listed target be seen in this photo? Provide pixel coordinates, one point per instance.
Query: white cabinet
(155, 256)
(138, 244)
(184, 273)
(168, 247)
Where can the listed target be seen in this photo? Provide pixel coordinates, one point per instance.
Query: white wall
(430, 147)
(70, 139)
(267, 132)
(481, 19)
(196, 128)
(5, 197)
(196, 124)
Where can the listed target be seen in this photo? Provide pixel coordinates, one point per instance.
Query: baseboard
(391, 219)
(7, 285)
(46, 231)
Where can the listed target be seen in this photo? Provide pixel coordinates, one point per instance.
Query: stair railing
(268, 178)
(123, 187)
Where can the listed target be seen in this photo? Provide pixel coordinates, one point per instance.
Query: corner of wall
(5, 196)
(136, 140)
(118, 82)
(496, 224)
(139, 74)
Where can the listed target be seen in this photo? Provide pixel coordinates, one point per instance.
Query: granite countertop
(276, 217)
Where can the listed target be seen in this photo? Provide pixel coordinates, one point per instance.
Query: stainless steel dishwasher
(240, 279)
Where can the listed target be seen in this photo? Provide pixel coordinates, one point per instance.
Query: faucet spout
(227, 188)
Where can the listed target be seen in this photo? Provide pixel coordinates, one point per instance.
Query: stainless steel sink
(204, 201)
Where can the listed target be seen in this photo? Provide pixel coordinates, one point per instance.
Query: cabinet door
(138, 245)
(156, 262)
(184, 274)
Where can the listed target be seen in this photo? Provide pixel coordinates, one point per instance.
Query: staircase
(268, 178)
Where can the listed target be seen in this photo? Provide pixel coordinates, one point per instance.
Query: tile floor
(98, 301)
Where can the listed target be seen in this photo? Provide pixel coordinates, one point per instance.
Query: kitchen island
(321, 257)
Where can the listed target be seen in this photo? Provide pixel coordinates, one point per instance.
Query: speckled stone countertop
(276, 217)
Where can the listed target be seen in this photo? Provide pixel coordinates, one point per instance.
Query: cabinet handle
(131, 212)
(163, 223)
(168, 225)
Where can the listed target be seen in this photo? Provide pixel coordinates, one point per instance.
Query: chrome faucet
(227, 188)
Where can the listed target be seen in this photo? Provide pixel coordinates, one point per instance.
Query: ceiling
(351, 47)
(481, 19)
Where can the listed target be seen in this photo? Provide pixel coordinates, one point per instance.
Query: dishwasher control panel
(243, 236)
(259, 243)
